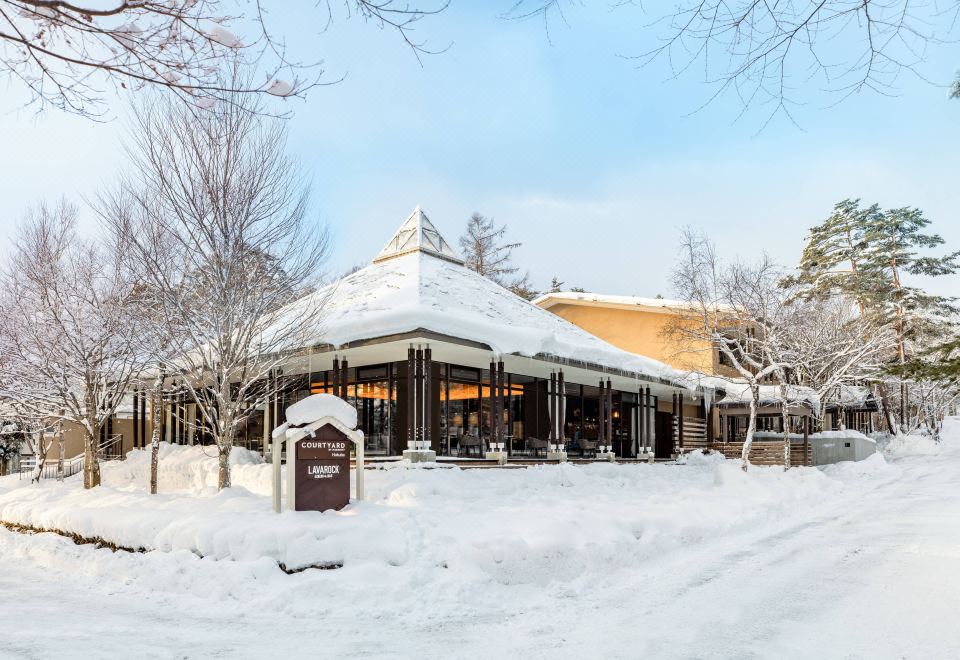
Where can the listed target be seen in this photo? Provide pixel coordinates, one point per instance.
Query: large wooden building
(435, 356)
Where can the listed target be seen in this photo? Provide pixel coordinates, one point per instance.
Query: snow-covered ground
(854, 561)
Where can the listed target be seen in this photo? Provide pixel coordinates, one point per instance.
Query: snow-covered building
(431, 352)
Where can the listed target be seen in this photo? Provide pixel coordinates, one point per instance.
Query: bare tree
(66, 52)
(214, 214)
(834, 345)
(775, 53)
(486, 251)
(68, 336)
(733, 309)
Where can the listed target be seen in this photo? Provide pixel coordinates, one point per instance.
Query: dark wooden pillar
(427, 394)
(609, 414)
(602, 420)
(806, 441)
(561, 409)
(552, 403)
(641, 421)
(411, 397)
(502, 404)
(680, 418)
(418, 395)
(496, 426)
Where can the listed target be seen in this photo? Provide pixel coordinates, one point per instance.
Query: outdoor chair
(470, 443)
(587, 446)
(535, 445)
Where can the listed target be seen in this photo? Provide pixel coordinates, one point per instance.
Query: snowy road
(871, 573)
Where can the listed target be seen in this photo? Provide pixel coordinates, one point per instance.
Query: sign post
(318, 462)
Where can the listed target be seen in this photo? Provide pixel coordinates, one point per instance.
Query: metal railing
(110, 449)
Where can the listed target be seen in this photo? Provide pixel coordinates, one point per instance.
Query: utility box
(836, 446)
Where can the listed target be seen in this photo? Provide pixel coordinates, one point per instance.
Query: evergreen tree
(556, 286)
(524, 288)
(486, 252)
(864, 253)
(832, 260)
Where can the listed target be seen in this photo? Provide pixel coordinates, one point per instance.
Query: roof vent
(417, 234)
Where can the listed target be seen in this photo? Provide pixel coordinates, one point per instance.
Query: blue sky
(593, 162)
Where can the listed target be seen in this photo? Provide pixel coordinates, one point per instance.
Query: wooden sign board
(323, 471)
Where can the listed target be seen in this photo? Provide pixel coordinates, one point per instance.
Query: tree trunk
(887, 414)
(91, 462)
(41, 456)
(156, 405)
(60, 457)
(785, 412)
(223, 469)
(751, 427)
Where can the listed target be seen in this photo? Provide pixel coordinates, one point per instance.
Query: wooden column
(427, 394)
(411, 397)
(806, 441)
(680, 418)
(501, 404)
(561, 409)
(676, 422)
(602, 420)
(552, 403)
(344, 370)
(609, 415)
(641, 422)
(418, 396)
(494, 423)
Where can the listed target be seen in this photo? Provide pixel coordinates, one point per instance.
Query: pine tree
(832, 260)
(864, 253)
(485, 251)
(523, 287)
(556, 285)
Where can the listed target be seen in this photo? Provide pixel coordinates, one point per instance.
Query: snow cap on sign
(318, 406)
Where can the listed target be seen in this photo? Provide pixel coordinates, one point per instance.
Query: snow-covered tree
(69, 332)
(865, 254)
(214, 216)
(67, 53)
(834, 345)
(735, 309)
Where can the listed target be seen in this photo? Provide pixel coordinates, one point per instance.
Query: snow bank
(874, 466)
(187, 469)
(914, 444)
(529, 525)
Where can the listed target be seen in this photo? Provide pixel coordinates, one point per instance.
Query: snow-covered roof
(738, 392)
(606, 299)
(850, 396)
(421, 290)
(417, 234)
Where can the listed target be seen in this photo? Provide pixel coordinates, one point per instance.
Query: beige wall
(642, 332)
(73, 438)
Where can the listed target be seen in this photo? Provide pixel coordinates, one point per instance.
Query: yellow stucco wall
(638, 331)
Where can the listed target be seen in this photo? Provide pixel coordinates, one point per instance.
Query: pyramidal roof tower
(417, 234)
